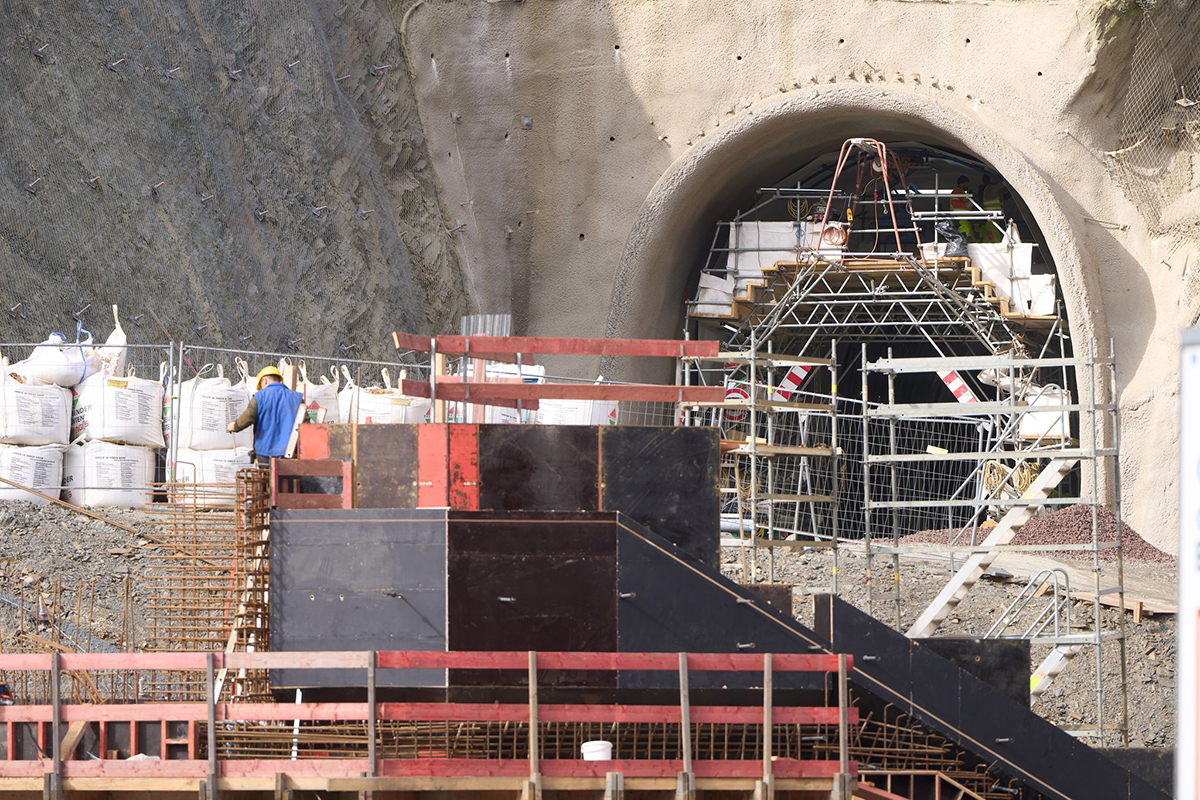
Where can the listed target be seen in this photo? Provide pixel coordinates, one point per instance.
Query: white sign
(1187, 745)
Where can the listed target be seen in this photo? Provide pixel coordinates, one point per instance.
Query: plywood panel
(464, 482)
(312, 441)
(385, 466)
(671, 604)
(432, 466)
(666, 479)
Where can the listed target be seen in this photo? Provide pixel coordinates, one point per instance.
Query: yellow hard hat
(264, 372)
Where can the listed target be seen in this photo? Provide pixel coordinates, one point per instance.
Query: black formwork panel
(358, 579)
(668, 480)
(538, 468)
(1003, 663)
(981, 718)
(670, 602)
(532, 581)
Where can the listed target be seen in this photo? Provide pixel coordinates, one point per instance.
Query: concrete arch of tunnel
(674, 227)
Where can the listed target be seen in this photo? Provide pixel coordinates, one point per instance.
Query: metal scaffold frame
(787, 470)
(1028, 462)
(909, 467)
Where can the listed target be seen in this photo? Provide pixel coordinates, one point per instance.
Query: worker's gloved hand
(229, 428)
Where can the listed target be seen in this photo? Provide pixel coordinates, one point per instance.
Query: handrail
(220, 766)
(423, 659)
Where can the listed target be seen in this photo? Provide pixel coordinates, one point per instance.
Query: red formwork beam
(423, 712)
(422, 389)
(599, 712)
(664, 662)
(574, 768)
(425, 659)
(484, 392)
(492, 348)
(784, 768)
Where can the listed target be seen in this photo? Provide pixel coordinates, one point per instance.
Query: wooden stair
(1002, 533)
(778, 277)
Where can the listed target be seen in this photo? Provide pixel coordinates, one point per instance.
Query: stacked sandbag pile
(36, 410)
(35, 423)
(207, 454)
(116, 427)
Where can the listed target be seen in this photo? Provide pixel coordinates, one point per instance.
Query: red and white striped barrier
(736, 392)
(791, 382)
(957, 386)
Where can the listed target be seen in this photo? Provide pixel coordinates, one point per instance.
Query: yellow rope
(996, 474)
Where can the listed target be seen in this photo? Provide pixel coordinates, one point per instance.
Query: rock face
(233, 146)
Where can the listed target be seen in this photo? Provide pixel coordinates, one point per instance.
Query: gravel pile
(1069, 525)
(49, 546)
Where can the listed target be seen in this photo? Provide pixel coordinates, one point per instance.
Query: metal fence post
(842, 787)
(768, 779)
(211, 793)
(56, 724)
(533, 788)
(687, 784)
(372, 755)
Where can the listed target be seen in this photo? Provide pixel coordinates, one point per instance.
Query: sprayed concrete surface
(593, 145)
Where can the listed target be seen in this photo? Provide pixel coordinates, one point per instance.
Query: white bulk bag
(577, 412)
(103, 474)
(213, 471)
(57, 362)
(418, 410)
(379, 406)
(1045, 425)
(345, 396)
(166, 405)
(33, 414)
(245, 383)
(319, 395)
(112, 355)
(206, 407)
(35, 467)
(124, 410)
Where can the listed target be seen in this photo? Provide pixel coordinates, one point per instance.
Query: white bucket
(598, 750)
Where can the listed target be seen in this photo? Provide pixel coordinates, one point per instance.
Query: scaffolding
(1040, 436)
(849, 270)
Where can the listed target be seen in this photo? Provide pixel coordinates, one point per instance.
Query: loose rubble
(50, 548)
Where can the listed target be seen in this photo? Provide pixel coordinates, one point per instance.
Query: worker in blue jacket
(272, 412)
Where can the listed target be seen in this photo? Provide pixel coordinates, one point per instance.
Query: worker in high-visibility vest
(272, 411)
(991, 197)
(959, 201)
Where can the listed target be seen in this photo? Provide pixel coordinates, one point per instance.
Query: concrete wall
(644, 122)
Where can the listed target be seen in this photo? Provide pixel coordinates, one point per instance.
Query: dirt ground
(70, 572)
(1071, 700)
